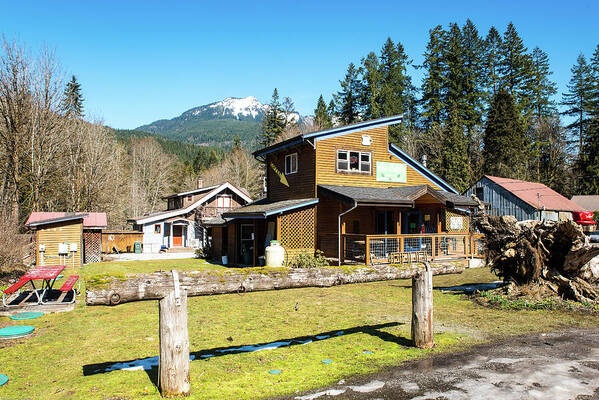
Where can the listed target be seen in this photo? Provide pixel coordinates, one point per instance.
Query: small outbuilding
(63, 238)
(524, 200)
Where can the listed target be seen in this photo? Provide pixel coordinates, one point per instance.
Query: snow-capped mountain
(246, 108)
(216, 123)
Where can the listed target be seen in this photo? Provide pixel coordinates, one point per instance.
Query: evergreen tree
(473, 79)
(322, 119)
(594, 92)
(552, 165)
(274, 121)
(587, 165)
(577, 98)
(72, 100)
(540, 88)
(331, 110)
(396, 88)
(492, 45)
(514, 66)
(290, 116)
(504, 139)
(432, 84)
(454, 154)
(347, 100)
(372, 82)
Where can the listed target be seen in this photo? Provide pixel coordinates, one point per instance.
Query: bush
(205, 252)
(13, 251)
(309, 260)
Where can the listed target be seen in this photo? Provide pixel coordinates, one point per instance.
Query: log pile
(547, 254)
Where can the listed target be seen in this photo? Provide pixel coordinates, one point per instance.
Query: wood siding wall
(502, 202)
(53, 234)
(301, 184)
(326, 160)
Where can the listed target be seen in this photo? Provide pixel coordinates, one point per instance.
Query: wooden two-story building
(352, 194)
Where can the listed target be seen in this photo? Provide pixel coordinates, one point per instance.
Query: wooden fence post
(173, 367)
(422, 309)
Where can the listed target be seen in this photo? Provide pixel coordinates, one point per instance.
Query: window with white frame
(224, 201)
(353, 161)
(290, 164)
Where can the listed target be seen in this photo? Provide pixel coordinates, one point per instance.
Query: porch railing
(374, 249)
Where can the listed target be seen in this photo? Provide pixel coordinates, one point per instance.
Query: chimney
(200, 182)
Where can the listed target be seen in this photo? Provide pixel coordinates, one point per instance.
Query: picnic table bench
(48, 275)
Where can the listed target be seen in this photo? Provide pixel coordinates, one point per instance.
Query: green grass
(49, 364)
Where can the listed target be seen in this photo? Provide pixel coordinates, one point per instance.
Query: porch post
(367, 245)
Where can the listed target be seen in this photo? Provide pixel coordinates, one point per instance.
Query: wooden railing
(375, 249)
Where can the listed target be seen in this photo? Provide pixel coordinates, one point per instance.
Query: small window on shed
(157, 228)
(189, 197)
(291, 164)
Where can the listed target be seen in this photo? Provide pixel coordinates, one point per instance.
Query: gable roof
(398, 195)
(91, 220)
(589, 202)
(342, 130)
(536, 194)
(158, 216)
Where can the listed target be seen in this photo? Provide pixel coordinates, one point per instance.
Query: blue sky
(139, 61)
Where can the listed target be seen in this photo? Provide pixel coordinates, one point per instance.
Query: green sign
(391, 172)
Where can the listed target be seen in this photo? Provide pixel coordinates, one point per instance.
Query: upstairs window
(224, 201)
(353, 161)
(291, 164)
(189, 197)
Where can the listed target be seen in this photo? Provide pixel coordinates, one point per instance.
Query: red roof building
(91, 220)
(522, 199)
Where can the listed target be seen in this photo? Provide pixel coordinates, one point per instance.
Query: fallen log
(113, 290)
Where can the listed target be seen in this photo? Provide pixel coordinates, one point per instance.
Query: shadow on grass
(465, 288)
(150, 364)
(468, 288)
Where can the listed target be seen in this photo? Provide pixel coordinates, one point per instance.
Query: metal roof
(91, 220)
(536, 194)
(265, 208)
(342, 130)
(591, 203)
(400, 195)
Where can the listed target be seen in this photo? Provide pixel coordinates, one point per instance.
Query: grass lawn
(373, 316)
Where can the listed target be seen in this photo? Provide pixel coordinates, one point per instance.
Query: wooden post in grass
(173, 367)
(422, 309)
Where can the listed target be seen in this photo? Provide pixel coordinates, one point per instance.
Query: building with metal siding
(523, 200)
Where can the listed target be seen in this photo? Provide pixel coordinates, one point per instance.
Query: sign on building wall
(391, 172)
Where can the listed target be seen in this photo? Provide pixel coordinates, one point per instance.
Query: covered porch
(395, 225)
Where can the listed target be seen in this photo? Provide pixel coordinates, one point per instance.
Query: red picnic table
(46, 273)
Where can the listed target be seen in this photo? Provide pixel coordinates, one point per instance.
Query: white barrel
(225, 260)
(274, 254)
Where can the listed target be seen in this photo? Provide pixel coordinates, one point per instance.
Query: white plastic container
(274, 254)
(225, 260)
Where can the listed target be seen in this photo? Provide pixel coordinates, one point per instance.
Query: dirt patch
(559, 365)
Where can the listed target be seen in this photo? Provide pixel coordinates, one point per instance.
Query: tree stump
(173, 368)
(422, 309)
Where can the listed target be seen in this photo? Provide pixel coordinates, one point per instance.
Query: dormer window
(353, 161)
(291, 164)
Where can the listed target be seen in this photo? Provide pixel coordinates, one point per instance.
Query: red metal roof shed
(536, 194)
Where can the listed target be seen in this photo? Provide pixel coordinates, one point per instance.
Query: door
(413, 226)
(177, 236)
(247, 244)
(384, 225)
